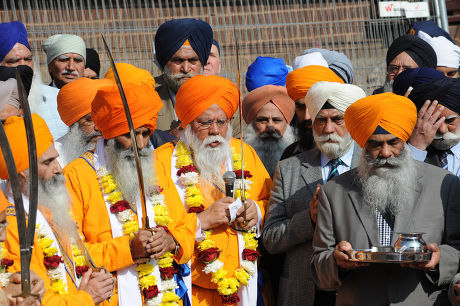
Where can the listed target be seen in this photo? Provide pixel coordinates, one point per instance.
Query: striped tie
(335, 163)
(443, 158)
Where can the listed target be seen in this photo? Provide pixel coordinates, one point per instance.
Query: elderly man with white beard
(224, 269)
(436, 137)
(74, 107)
(268, 110)
(388, 193)
(57, 255)
(291, 216)
(108, 209)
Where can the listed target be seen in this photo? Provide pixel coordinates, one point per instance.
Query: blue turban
(266, 71)
(172, 35)
(10, 34)
(337, 62)
(430, 28)
(446, 91)
(413, 77)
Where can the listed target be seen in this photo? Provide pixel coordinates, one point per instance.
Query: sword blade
(145, 219)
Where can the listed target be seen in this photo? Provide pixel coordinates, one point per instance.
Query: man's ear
(23, 177)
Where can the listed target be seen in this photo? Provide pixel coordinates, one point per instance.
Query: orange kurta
(74, 296)
(226, 239)
(92, 218)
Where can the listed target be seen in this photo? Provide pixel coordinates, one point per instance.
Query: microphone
(229, 179)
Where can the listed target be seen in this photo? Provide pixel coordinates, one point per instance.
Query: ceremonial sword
(145, 218)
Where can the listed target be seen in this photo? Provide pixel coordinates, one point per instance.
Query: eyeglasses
(3, 227)
(207, 124)
(393, 69)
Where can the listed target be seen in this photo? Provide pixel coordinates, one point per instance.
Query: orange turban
(395, 114)
(299, 81)
(257, 98)
(131, 74)
(200, 92)
(3, 202)
(74, 99)
(109, 115)
(16, 133)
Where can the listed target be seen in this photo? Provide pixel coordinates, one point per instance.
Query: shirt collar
(456, 150)
(346, 158)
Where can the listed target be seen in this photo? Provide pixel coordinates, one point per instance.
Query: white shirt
(342, 168)
(453, 159)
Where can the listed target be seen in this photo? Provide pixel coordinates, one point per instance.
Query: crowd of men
(324, 170)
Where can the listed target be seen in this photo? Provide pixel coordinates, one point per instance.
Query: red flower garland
(52, 262)
(168, 272)
(151, 292)
(6, 263)
(247, 174)
(119, 206)
(230, 299)
(186, 169)
(250, 255)
(196, 210)
(80, 270)
(208, 255)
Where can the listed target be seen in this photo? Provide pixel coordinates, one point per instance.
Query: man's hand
(99, 285)
(251, 215)
(314, 205)
(139, 244)
(457, 292)
(432, 264)
(160, 243)
(14, 288)
(216, 214)
(343, 259)
(428, 121)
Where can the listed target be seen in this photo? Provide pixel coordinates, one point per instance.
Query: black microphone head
(229, 177)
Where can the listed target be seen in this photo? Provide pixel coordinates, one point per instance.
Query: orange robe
(226, 239)
(74, 297)
(90, 213)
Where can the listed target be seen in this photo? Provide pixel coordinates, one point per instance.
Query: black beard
(305, 135)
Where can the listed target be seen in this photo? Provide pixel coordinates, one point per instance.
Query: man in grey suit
(289, 224)
(388, 193)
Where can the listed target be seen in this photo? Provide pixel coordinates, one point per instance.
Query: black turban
(25, 72)
(446, 91)
(92, 60)
(418, 49)
(172, 34)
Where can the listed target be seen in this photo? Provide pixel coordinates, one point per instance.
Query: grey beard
(387, 188)
(123, 167)
(446, 140)
(173, 80)
(209, 161)
(388, 86)
(78, 142)
(269, 149)
(333, 150)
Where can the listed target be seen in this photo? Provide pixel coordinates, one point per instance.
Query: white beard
(77, 142)
(446, 140)
(123, 166)
(209, 161)
(387, 189)
(270, 149)
(334, 150)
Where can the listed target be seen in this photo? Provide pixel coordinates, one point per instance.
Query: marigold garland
(4, 265)
(148, 283)
(209, 254)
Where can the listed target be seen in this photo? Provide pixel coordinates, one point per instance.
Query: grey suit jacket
(435, 211)
(288, 227)
(166, 114)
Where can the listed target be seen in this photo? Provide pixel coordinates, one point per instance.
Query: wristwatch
(177, 248)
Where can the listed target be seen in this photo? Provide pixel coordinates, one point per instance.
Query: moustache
(333, 137)
(446, 136)
(71, 72)
(272, 135)
(211, 139)
(88, 137)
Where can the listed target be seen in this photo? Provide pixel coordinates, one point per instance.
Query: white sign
(403, 8)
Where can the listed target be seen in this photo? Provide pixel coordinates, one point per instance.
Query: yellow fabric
(92, 218)
(226, 239)
(74, 297)
(131, 74)
(394, 113)
(16, 132)
(3, 202)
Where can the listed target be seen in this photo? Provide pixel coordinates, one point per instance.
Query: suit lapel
(366, 216)
(311, 169)
(356, 156)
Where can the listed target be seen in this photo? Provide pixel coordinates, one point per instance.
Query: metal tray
(388, 256)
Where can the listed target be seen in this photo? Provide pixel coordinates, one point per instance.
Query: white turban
(314, 58)
(63, 43)
(340, 96)
(447, 53)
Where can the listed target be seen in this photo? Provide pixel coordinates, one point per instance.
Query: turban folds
(447, 53)
(299, 81)
(413, 77)
(131, 74)
(10, 34)
(198, 93)
(16, 132)
(172, 35)
(108, 113)
(266, 71)
(418, 49)
(395, 114)
(63, 43)
(257, 99)
(340, 96)
(74, 99)
(337, 62)
(430, 28)
(314, 58)
(445, 90)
